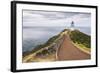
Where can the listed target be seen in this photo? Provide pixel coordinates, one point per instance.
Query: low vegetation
(42, 46)
(47, 52)
(80, 38)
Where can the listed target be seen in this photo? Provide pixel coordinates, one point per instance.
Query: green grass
(80, 38)
(83, 47)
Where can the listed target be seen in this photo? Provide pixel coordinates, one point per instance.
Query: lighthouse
(72, 25)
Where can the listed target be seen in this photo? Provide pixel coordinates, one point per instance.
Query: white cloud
(47, 18)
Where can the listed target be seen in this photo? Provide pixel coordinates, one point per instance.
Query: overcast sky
(48, 18)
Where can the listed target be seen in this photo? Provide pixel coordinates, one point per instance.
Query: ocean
(33, 36)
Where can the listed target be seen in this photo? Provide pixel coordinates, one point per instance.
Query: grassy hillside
(47, 51)
(50, 41)
(80, 38)
(41, 46)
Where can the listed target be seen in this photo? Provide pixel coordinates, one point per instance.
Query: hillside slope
(81, 40)
(54, 49)
(68, 51)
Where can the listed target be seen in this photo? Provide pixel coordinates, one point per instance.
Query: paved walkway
(67, 51)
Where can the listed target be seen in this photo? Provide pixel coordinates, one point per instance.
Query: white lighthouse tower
(72, 27)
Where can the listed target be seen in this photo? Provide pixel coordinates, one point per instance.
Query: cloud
(50, 18)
